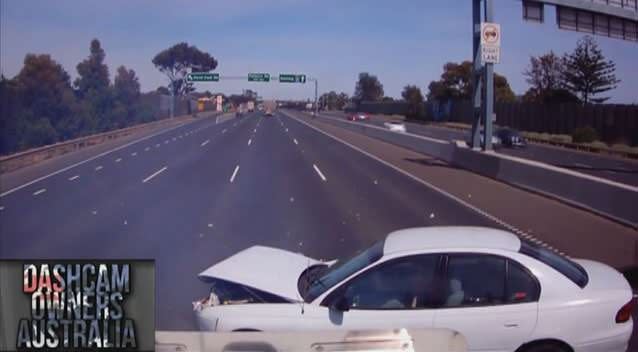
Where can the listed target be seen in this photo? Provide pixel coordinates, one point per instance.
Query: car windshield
(572, 270)
(341, 270)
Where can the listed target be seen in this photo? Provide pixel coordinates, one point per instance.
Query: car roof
(450, 237)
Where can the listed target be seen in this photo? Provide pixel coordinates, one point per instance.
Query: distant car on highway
(510, 138)
(395, 126)
(359, 116)
(500, 292)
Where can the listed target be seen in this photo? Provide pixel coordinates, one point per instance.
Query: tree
(93, 72)
(456, 84)
(126, 90)
(342, 100)
(126, 85)
(44, 92)
(176, 61)
(545, 75)
(587, 73)
(368, 88)
(413, 96)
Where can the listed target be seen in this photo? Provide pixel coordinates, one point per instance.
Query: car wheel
(545, 347)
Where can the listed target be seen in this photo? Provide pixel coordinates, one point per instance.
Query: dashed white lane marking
(5, 193)
(166, 141)
(74, 177)
(205, 142)
(319, 172)
(154, 174)
(147, 149)
(255, 130)
(250, 141)
(157, 145)
(118, 160)
(232, 177)
(134, 154)
(295, 140)
(174, 139)
(483, 213)
(40, 191)
(98, 168)
(286, 130)
(1, 208)
(224, 131)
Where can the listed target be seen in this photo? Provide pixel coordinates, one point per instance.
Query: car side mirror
(342, 304)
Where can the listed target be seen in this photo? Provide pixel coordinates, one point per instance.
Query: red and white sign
(490, 43)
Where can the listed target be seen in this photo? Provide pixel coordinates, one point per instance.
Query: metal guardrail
(18, 160)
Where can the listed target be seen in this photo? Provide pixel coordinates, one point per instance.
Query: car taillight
(624, 314)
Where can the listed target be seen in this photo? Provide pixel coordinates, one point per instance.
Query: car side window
(522, 287)
(474, 280)
(405, 283)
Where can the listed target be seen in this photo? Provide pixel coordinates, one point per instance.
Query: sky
(401, 41)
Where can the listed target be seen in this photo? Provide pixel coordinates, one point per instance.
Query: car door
(491, 300)
(397, 293)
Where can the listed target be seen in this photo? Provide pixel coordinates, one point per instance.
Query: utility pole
(483, 80)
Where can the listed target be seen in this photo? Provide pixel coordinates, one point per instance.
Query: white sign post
(490, 43)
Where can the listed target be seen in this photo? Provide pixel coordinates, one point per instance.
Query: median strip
(154, 174)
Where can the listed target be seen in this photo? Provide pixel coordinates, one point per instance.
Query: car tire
(544, 347)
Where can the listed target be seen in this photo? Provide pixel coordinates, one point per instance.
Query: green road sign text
(259, 77)
(292, 78)
(202, 77)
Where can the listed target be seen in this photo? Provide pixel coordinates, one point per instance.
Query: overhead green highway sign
(292, 78)
(202, 77)
(259, 77)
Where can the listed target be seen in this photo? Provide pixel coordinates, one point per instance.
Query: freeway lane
(611, 168)
(291, 187)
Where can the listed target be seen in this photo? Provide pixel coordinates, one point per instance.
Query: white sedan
(501, 293)
(395, 126)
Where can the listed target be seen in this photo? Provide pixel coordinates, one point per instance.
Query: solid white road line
(118, 160)
(154, 174)
(232, 178)
(295, 140)
(74, 177)
(87, 160)
(417, 179)
(98, 168)
(40, 191)
(205, 142)
(250, 141)
(319, 172)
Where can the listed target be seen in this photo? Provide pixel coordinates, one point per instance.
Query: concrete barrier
(613, 200)
(19, 160)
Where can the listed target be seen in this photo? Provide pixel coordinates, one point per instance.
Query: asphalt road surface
(196, 194)
(611, 168)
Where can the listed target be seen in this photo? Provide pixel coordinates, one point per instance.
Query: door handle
(511, 325)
